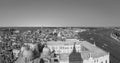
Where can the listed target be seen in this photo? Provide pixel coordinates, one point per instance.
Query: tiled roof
(85, 55)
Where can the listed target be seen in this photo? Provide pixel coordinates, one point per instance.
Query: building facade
(75, 51)
(64, 47)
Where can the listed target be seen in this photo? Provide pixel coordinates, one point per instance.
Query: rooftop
(88, 49)
(67, 42)
(92, 50)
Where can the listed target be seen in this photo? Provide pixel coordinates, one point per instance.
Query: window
(105, 61)
(56, 47)
(61, 47)
(97, 60)
(53, 47)
(94, 61)
(55, 60)
(59, 51)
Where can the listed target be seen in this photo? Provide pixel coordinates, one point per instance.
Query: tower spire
(74, 49)
(94, 44)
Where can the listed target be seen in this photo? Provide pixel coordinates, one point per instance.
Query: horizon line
(53, 26)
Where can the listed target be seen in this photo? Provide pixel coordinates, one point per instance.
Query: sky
(59, 13)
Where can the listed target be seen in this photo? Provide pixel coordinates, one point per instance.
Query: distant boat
(114, 36)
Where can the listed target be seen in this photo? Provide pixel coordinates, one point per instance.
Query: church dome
(28, 53)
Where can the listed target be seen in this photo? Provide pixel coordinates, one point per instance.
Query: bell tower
(75, 57)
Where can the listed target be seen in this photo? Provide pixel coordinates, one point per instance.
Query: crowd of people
(14, 39)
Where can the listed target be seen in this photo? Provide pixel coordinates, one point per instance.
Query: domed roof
(27, 53)
(46, 50)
